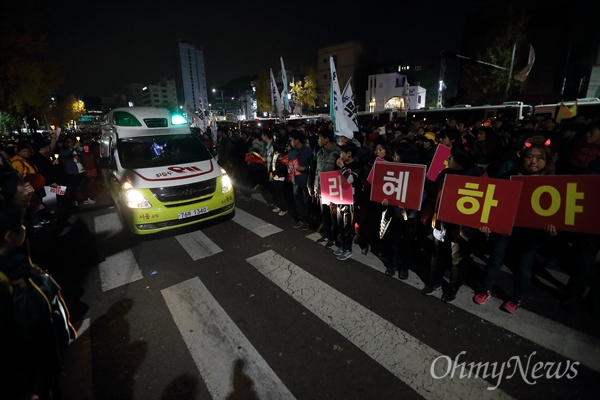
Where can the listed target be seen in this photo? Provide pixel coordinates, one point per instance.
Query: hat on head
(346, 133)
(430, 136)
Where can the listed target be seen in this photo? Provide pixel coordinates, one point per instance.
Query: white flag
(349, 107)
(522, 74)
(336, 109)
(284, 92)
(276, 102)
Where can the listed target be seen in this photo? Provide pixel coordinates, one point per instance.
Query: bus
(512, 111)
(588, 107)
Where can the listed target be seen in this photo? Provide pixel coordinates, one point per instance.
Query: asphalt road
(251, 308)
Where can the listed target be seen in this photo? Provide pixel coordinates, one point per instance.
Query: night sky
(101, 46)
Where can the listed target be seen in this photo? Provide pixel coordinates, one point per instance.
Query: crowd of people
(284, 161)
(33, 314)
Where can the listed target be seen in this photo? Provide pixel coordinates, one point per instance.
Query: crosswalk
(215, 342)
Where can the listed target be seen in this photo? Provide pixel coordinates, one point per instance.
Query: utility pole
(510, 72)
(441, 84)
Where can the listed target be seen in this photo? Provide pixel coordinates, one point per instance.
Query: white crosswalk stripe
(218, 346)
(255, 225)
(397, 351)
(216, 343)
(545, 332)
(117, 269)
(198, 245)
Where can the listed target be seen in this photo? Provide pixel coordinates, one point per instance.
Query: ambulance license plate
(192, 213)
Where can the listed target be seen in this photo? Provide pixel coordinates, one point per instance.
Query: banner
(276, 102)
(522, 74)
(284, 91)
(569, 202)
(477, 202)
(439, 161)
(349, 107)
(335, 114)
(401, 184)
(335, 188)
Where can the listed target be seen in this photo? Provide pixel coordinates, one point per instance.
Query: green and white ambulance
(158, 172)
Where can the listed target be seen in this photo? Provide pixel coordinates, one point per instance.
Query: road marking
(400, 353)
(198, 245)
(216, 344)
(117, 269)
(253, 224)
(566, 341)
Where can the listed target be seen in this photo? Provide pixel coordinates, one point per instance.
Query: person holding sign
(398, 240)
(345, 212)
(535, 159)
(452, 242)
(326, 158)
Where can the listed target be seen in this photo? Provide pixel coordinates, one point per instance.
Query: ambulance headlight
(133, 197)
(225, 181)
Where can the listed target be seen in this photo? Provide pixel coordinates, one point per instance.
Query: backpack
(42, 301)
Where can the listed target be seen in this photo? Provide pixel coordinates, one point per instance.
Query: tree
(304, 92)
(27, 82)
(8, 123)
(486, 84)
(67, 111)
(262, 93)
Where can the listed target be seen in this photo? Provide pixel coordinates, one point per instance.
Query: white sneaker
(276, 209)
(282, 213)
(88, 201)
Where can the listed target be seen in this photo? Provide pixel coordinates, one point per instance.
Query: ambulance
(158, 172)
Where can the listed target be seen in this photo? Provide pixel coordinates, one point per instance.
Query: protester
(326, 157)
(452, 243)
(70, 159)
(349, 168)
(524, 243)
(301, 159)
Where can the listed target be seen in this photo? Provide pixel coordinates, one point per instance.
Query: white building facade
(162, 94)
(390, 92)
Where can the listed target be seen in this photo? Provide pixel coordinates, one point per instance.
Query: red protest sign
(292, 166)
(401, 184)
(476, 202)
(377, 160)
(439, 161)
(335, 188)
(569, 202)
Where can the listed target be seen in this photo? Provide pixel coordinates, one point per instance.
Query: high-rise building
(193, 75)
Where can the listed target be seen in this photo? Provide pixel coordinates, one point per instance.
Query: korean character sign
(439, 161)
(58, 190)
(292, 167)
(401, 184)
(477, 202)
(377, 161)
(569, 202)
(335, 188)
